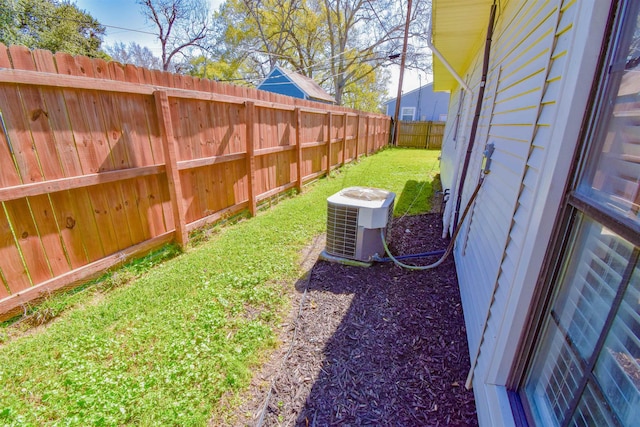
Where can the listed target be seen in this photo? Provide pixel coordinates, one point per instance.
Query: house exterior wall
(455, 136)
(428, 105)
(542, 63)
(276, 82)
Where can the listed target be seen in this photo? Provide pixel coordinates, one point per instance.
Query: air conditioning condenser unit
(355, 218)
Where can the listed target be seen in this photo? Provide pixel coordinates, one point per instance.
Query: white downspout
(447, 215)
(462, 142)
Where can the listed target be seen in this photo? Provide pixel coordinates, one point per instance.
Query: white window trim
(407, 109)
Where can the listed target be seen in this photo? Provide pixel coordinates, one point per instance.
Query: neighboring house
(421, 104)
(296, 85)
(547, 258)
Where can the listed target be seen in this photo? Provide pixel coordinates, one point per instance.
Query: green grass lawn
(163, 349)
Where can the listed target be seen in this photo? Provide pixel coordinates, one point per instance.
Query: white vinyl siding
(543, 57)
(531, 157)
(520, 63)
(453, 134)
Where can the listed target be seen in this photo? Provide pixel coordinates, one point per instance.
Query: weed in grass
(53, 305)
(203, 234)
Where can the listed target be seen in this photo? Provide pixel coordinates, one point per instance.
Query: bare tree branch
(180, 24)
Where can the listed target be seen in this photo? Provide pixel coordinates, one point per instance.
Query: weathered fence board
(101, 161)
(421, 135)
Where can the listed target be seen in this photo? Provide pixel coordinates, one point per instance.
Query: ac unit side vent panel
(355, 218)
(342, 230)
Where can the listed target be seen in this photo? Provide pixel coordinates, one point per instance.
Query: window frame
(413, 113)
(575, 206)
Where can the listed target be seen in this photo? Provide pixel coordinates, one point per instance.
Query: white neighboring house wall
(542, 64)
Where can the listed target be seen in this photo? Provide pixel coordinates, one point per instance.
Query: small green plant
(53, 305)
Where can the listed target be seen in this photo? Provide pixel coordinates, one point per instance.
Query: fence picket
(71, 232)
(26, 234)
(45, 229)
(18, 135)
(11, 261)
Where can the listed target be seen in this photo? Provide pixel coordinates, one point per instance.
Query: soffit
(458, 30)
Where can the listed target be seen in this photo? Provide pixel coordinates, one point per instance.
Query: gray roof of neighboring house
(307, 85)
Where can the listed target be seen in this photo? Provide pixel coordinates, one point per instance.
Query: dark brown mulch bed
(373, 346)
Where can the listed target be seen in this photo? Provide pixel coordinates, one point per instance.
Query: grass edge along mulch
(164, 348)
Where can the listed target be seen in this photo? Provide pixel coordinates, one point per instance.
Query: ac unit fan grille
(342, 230)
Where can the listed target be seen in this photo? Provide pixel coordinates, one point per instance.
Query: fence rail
(421, 135)
(101, 162)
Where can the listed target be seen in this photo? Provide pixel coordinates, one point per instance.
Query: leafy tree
(134, 54)
(369, 92)
(339, 43)
(223, 69)
(255, 34)
(367, 31)
(180, 25)
(52, 25)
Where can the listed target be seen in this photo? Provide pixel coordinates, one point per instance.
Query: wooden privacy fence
(421, 135)
(100, 161)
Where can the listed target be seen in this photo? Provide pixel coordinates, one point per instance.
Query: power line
(257, 77)
(379, 20)
(80, 21)
(129, 29)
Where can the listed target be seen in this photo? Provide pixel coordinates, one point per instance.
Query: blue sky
(126, 14)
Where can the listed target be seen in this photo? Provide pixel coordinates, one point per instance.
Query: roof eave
(457, 42)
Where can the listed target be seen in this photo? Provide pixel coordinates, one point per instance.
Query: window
(585, 369)
(573, 367)
(408, 113)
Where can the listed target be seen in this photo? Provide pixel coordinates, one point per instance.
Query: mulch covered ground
(370, 346)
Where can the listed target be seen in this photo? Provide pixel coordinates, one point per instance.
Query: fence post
(298, 125)
(171, 165)
(357, 135)
(344, 138)
(374, 141)
(374, 148)
(429, 134)
(249, 112)
(329, 143)
(366, 138)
